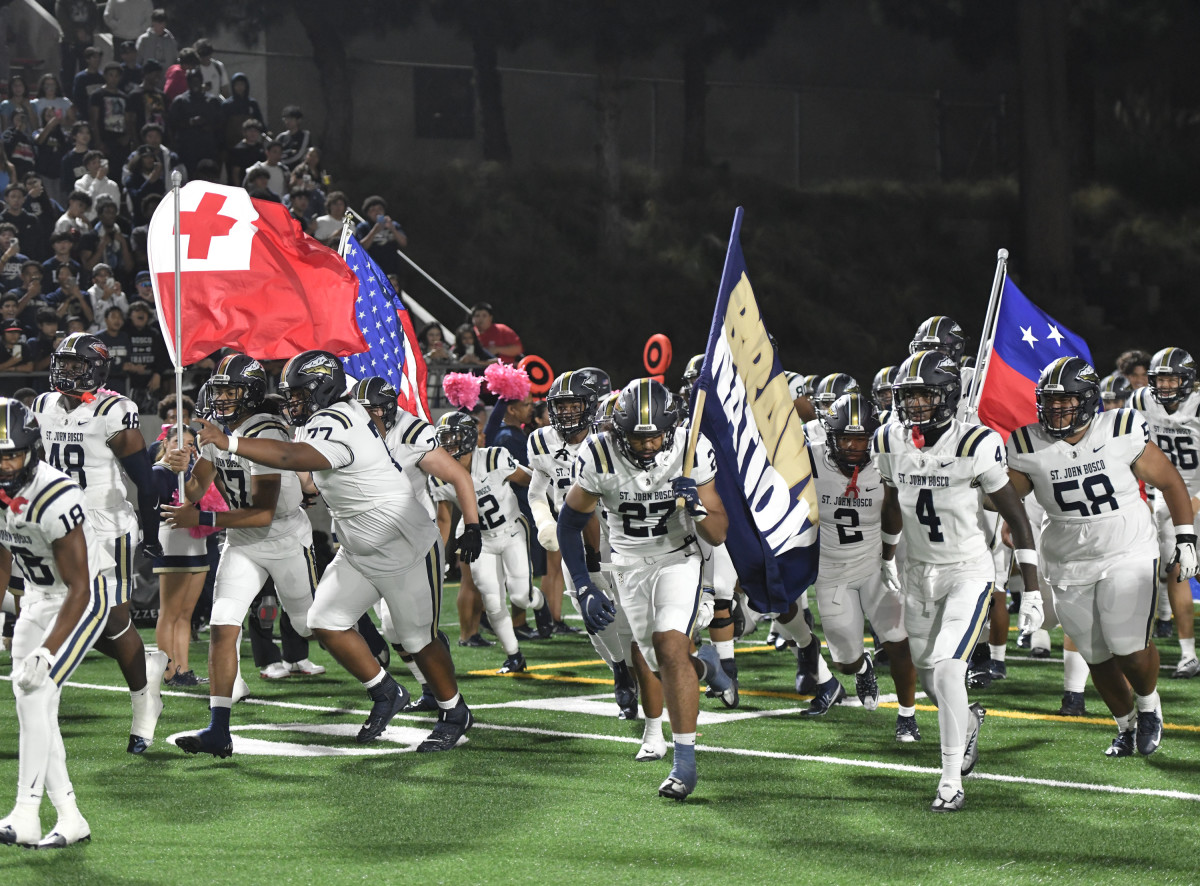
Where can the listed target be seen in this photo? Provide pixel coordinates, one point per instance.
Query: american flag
(393, 351)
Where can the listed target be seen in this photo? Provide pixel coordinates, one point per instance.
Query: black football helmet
(458, 433)
(311, 380)
(571, 403)
(1114, 390)
(644, 410)
(599, 379)
(831, 387)
(204, 404)
(236, 388)
(881, 388)
(932, 375)
(850, 417)
(1172, 363)
(691, 374)
(375, 392)
(79, 364)
(940, 334)
(19, 434)
(604, 412)
(1064, 379)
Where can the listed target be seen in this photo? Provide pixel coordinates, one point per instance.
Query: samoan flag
(1027, 339)
(764, 469)
(393, 352)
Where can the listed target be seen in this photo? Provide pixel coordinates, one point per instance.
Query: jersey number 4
(927, 516)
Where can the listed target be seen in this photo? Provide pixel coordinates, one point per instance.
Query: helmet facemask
(569, 415)
(227, 402)
(638, 447)
(933, 412)
(298, 406)
(458, 439)
(1170, 387)
(1063, 414)
(72, 375)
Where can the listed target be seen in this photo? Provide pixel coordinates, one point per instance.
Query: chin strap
(918, 438)
(16, 505)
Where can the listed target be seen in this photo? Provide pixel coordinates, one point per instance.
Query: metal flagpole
(446, 292)
(347, 227)
(176, 181)
(989, 333)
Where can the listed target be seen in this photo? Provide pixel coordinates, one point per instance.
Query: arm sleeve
(138, 467)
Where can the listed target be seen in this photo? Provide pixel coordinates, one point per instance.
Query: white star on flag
(1056, 335)
(1027, 335)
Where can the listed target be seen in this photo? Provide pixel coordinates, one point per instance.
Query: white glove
(1031, 615)
(704, 614)
(1185, 556)
(548, 536)
(35, 670)
(890, 573)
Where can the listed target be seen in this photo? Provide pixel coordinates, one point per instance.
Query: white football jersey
(289, 520)
(365, 490)
(76, 441)
(814, 432)
(49, 506)
(851, 524)
(639, 505)
(938, 487)
(497, 503)
(410, 440)
(1176, 433)
(551, 459)
(1095, 514)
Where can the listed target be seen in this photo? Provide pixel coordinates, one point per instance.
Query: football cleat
(828, 694)
(1122, 745)
(147, 707)
(1024, 639)
(866, 686)
(971, 752)
(21, 830)
(1163, 628)
(675, 788)
(138, 744)
(241, 689)
(906, 729)
(426, 701)
(953, 803)
(729, 665)
(476, 641)
(514, 664)
(206, 741)
(545, 622)
(526, 633)
(806, 684)
(389, 699)
(1039, 644)
(1149, 732)
(562, 628)
(1186, 669)
(651, 749)
(719, 684)
(276, 670)
(67, 833)
(625, 691)
(451, 726)
(979, 676)
(1072, 705)
(304, 668)
(998, 670)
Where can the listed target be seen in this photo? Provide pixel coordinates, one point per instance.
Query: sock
(1129, 721)
(1075, 671)
(652, 732)
(795, 630)
(949, 677)
(1149, 702)
(64, 803)
(451, 704)
(863, 667)
(220, 717)
(502, 627)
(997, 651)
(823, 675)
(376, 680)
(1187, 647)
(416, 672)
(908, 712)
(952, 761)
(724, 648)
(683, 739)
(683, 764)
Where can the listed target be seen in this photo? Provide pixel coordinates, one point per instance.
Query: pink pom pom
(507, 382)
(166, 429)
(462, 389)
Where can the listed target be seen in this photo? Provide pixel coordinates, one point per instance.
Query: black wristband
(208, 518)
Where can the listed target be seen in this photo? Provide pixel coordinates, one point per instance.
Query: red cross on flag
(250, 279)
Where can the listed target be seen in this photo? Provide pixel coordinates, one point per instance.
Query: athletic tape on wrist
(233, 441)
(1184, 530)
(889, 539)
(1025, 556)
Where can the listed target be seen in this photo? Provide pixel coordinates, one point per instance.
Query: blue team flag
(393, 352)
(764, 472)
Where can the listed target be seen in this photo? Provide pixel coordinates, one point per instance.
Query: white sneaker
(21, 828)
(1186, 669)
(241, 689)
(304, 668)
(65, 833)
(276, 670)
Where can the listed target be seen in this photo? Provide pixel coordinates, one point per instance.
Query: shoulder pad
(42, 402)
(970, 441)
(333, 415)
(537, 442)
(882, 441)
(1022, 440)
(1137, 399)
(108, 402)
(412, 433)
(269, 423)
(54, 490)
(1123, 421)
(598, 453)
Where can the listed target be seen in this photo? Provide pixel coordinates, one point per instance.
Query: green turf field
(546, 791)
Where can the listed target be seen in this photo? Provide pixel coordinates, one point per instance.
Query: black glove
(470, 543)
(593, 560)
(151, 549)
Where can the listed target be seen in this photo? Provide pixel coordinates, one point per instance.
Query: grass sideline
(545, 791)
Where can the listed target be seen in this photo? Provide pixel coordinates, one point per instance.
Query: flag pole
(347, 227)
(988, 336)
(176, 181)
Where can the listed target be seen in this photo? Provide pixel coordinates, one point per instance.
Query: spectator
(128, 19)
(1133, 365)
(61, 242)
(467, 348)
(95, 182)
(18, 100)
(144, 177)
(105, 293)
(277, 176)
(314, 197)
(143, 290)
(152, 135)
(11, 258)
(13, 357)
(74, 220)
(77, 21)
(147, 101)
(139, 235)
(115, 340)
(86, 82)
(433, 345)
(109, 241)
(328, 227)
(10, 307)
(73, 165)
(194, 120)
(148, 358)
(18, 145)
(8, 174)
(49, 146)
(50, 95)
(297, 203)
(112, 120)
(157, 42)
(497, 338)
(541, 415)
(258, 185)
(69, 300)
(239, 107)
(176, 83)
(29, 230)
(312, 168)
(131, 71)
(42, 346)
(30, 298)
(247, 152)
(294, 140)
(26, 396)
(75, 324)
(216, 81)
(380, 235)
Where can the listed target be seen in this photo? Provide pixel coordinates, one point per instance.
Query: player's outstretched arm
(1008, 502)
(264, 496)
(203, 472)
(441, 464)
(129, 446)
(1155, 469)
(281, 454)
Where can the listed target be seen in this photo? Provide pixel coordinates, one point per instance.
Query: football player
(1171, 407)
(1100, 549)
(504, 562)
(572, 402)
(63, 613)
(931, 465)
(881, 391)
(92, 434)
(1114, 391)
(268, 535)
(389, 548)
(636, 470)
(848, 585)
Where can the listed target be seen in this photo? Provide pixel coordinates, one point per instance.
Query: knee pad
(722, 614)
